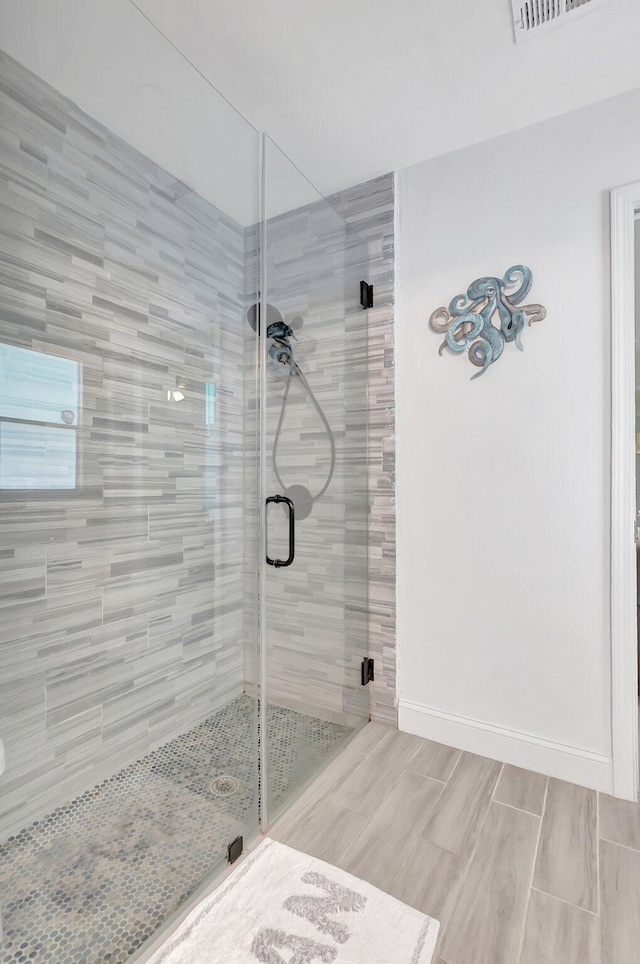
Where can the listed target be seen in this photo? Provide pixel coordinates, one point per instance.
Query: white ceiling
(348, 88)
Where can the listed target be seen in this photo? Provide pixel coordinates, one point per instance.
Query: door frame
(625, 201)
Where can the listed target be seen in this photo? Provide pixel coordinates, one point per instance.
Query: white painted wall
(503, 482)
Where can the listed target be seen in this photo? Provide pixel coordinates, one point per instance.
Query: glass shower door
(314, 475)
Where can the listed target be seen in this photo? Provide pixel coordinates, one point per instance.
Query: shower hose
(295, 370)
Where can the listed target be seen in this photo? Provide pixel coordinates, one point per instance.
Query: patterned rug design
(93, 880)
(283, 905)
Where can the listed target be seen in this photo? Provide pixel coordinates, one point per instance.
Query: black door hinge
(366, 295)
(234, 849)
(367, 670)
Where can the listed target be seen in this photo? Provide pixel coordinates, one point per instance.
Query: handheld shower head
(280, 333)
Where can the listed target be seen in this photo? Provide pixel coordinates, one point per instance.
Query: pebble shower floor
(93, 880)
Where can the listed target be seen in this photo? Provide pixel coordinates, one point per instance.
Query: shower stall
(183, 497)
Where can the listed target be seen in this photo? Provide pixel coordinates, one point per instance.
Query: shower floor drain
(224, 786)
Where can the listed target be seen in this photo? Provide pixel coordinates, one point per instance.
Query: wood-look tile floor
(518, 868)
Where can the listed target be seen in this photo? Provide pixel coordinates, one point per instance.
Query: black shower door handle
(281, 563)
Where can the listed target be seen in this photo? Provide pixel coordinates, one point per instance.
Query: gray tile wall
(121, 609)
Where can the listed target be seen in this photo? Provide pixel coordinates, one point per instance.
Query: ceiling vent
(531, 18)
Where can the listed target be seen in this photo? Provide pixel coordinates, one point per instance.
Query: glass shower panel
(127, 653)
(314, 616)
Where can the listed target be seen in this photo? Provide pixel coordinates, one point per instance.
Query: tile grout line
(463, 877)
(455, 767)
(435, 802)
(441, 933)
(445, 785)
(413, 756)
(460, 884)
(533, 871)
(481, 824)
(352, 843)
(458, 758)
(538, 890)
(439, 779)
(614, 843)
(370, 819)
(501, 803)
(493, 792)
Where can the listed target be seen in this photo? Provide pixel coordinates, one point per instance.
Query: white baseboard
(509, 746)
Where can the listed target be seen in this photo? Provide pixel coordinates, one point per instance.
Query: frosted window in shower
(39, 413)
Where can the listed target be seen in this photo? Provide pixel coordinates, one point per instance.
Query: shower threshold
(93, 880)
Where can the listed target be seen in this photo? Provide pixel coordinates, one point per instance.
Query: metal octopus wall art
(467, 323)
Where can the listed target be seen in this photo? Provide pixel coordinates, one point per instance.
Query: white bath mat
(283, 907)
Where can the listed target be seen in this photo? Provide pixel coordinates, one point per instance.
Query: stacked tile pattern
(121, 602)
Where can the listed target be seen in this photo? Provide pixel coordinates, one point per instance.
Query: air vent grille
(533, 17)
